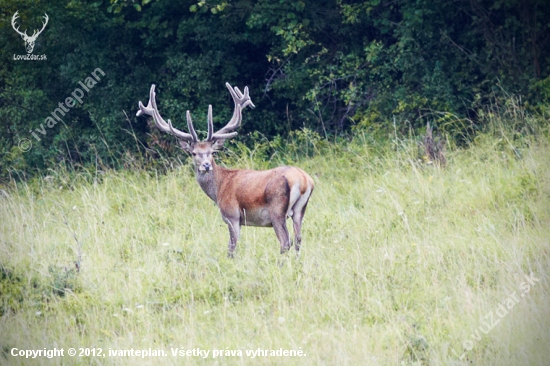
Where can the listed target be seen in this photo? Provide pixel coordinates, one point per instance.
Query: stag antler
(152, 110)
(241, 100)
(36, 33)
(24, 34)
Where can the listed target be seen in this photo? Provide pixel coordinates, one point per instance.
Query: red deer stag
(245, 197)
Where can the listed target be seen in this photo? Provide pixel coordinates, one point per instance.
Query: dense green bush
(326, 65)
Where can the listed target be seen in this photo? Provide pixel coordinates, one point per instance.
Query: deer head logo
(29, 40)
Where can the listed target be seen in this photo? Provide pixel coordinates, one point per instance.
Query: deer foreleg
(234, 231)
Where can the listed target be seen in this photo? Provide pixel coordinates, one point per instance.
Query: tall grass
(401, 263)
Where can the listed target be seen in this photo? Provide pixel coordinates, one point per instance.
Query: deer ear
(186, 145)
(218, 144)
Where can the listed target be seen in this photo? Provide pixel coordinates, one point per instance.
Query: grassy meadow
(403, 261)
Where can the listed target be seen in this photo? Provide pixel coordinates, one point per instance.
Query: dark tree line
(325, 64)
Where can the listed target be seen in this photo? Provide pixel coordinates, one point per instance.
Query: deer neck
(209, 181)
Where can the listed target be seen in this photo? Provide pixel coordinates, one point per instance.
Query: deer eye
(194, 153)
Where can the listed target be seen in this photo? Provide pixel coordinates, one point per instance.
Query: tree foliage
(325, 64)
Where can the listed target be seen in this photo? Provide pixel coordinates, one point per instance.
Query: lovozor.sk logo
(29, 40)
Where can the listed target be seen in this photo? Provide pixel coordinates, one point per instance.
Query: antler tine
(191, 128)
(240, 98)
(152, 110)
(13, 19)
(224, 136)
(210, 124)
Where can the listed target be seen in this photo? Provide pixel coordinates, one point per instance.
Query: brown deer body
(245, 197)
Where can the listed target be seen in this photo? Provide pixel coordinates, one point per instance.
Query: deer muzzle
(205, 167)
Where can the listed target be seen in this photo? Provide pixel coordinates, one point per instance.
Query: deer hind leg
(279, 224)
(299, 211)
(297, 224)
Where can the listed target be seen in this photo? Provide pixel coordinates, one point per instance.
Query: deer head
(202, 151)
(29, 40)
